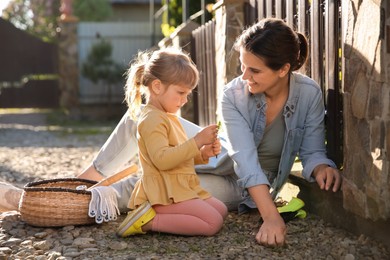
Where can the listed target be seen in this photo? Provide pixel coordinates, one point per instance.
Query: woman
(273, 114)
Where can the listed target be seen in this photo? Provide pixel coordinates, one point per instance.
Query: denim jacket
(244, 117)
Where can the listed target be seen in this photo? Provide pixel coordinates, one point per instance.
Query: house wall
(137, 13)
(126, 38)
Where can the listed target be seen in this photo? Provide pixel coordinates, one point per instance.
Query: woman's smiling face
(259, 77)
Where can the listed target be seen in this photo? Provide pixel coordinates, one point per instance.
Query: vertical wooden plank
(268, 8)
(210, 74)
(152, 22)
(315, 41)
(332, 84)
(204, 75)
(330, 44)
(301, 26)
(209, 87)
(278, 9)
(290, 13)
(260, 9)
(194, 96)
(251, 12)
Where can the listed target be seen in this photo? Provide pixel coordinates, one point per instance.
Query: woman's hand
(272, 232)
(206, 136)
(327, 176)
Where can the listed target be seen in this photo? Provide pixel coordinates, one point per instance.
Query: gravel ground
(31, 150)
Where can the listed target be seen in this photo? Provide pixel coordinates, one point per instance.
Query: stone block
(366, 34)
(373, 209)
(387, 143)
(354, 200)
(359, 98)
(375, 102)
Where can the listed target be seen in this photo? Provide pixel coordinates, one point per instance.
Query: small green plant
(100, 67)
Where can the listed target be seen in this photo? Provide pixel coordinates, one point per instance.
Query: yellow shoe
(135, 219)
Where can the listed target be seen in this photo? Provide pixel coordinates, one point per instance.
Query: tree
(99, 67)
(38, 17)
(92, 10)
(175, 14)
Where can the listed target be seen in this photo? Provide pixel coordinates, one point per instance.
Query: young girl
(168, 197)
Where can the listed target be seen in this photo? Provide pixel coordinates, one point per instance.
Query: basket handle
(116, 177)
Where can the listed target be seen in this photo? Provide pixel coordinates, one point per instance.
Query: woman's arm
(241, 145)
(273, 230)
(313, 151)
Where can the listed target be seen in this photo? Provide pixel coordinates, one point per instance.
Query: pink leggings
(191, 217)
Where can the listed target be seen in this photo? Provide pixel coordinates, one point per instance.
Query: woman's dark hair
(276, 43)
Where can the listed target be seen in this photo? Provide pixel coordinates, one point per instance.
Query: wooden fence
(206, 92)
(319, 20)
(28, 70)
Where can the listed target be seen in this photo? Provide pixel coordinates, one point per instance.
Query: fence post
(68, 56)
(230, 21)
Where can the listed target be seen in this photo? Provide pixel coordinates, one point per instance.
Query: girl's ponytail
(134, 86)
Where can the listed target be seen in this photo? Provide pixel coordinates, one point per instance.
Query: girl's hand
(217, 147)
(206, 136)
(211, 150)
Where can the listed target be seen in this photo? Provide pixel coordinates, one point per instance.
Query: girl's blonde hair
(170, 66)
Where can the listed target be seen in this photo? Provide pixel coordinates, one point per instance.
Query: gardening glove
(292, 209)
(123, 189)
(103, 205)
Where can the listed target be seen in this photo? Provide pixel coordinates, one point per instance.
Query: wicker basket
(56, 203)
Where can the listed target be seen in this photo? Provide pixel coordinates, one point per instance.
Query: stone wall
(366, 188)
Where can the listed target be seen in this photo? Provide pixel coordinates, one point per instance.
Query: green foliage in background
(173, 17)
(100, 66)
(37, 17)
(92, 10)
(40, 17)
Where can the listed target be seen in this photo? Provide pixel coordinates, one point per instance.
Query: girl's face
(171, 98)
(259, 77)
